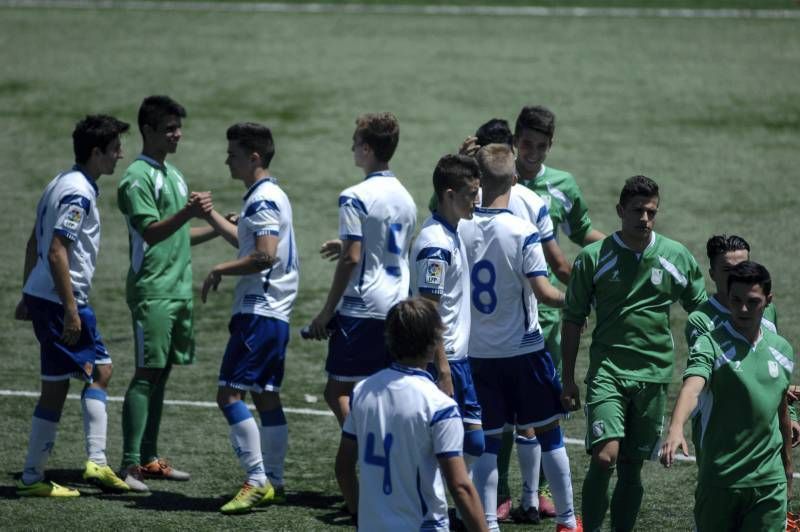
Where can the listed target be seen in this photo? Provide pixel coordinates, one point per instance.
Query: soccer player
(631, 278)
(376, 220)
(157, 205)
(513, 373)
(441, 274)
(254, 358)
(736, 380)
(60, 260)
(405, 434)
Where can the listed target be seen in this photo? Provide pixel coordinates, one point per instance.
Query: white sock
(529, 453)
(95, 424)
(40, 443)
(484, 474)
(274, 445)
(556, 468)
(246, 442)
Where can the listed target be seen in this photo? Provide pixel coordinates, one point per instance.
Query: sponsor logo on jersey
(598, 428)
(773, 369)
(656, 276)
(73, 219)
(433, 272)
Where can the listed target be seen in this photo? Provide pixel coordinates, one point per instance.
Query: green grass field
(710, 108)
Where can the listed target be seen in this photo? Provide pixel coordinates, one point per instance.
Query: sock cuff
(46, 414)
(272, 418)
(551, 440)
(96, 394)
(522, 440)
(236, 412)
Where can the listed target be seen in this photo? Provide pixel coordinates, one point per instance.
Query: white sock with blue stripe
(246, 442)
(95, 423)
(555, 463)
(274, 443)
(529, 453)
(40, 444)
(484, 475)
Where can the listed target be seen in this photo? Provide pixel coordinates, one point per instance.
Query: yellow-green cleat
(45, 488)
(275, 496)
(104, 477)
(248, 497)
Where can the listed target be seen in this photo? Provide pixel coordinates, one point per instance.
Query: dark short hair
(537, 118)
(253, 138)
(750, 273)
(718, 245)
(453, 172)
(495, 131)
(155, 108)
(95, 131)
(638, 185)
(413, 327)
(379, 131)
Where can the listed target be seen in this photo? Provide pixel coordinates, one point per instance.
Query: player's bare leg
(337, 395)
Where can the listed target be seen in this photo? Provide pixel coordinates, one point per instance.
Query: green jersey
(740, 439)
(150, 193)
(567, 209)
(632, 293)
(712, 314)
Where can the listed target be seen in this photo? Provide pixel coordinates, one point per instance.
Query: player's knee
(227, 396)
(605, 458)
(474, 442)
(102, 375)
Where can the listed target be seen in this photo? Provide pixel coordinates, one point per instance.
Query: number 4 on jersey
(381, 461)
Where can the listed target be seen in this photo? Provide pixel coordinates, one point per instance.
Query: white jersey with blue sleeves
(266, 211)
(440, 268)
(403, 423)
(381, 214)
(68, 207)
(528, 205)
(503, 252)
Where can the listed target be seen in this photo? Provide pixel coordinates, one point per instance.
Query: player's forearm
(58, 259)
(687, 402)
(198, 235)
(786, 432)
(556, 260)
(30, 257)
(570, 342)
(545, 292)
(469, 505)
(163, 229)
(593, 236)
(253, 263)
(341, 277)
(222, 227)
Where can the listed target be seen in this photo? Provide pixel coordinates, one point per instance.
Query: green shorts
(550, 322)
(755, 509)
(626, 410)
(163, 332)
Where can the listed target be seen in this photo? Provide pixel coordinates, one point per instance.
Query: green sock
(156, 407)
(595, 496)
(503, 463)
(627, 498)
(134, 418)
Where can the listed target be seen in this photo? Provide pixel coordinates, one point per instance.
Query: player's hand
(331, 249)
(212, 281)
(72, 326)
(570, 396)
(318, 328)
(200, 204)
(232, 217)
(469, 147)
(793, 393)
(445, 382)
(674, 441)
(795, 433)
(21, 312)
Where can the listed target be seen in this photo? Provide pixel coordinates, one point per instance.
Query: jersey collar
(735, 334)
(444, 223)
(411, 371)
(382, 173)
(491, 211)
(717, 305)
(79, 168)
(152, 162)
(621, 244)
(539, 174)
(257, 184)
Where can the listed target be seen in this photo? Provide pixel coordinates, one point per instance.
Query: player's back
(402, 421)
(503, 252)
(380, 213)
(528, 205)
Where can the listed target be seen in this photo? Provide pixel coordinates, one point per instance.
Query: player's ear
(768, 299)
(619, 210)
(514, 179)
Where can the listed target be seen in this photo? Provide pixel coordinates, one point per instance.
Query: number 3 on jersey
(483, 277)
(381, 461)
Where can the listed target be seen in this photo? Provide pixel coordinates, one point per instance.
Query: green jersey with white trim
(712, 314)
(150, 193)
(740, 439)
(632, 294)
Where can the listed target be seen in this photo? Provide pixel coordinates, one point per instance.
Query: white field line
(356, 8)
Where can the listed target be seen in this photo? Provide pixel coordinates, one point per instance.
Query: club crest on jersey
(598, 428)
(73, 219)
(656, 276)
(433, 272)
(773, 369)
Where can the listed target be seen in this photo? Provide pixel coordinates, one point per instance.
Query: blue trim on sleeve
(445, 413)
(68, 234)
(267, 232)
(548, 239)
(258, 206)
(356, 238)
(536, 274)
(435, 253)
(357, 204)
(542, 213)
(428, 290)
(77, 200)
(349, 436)
(448, 454)
(530, 239)
(46, 414)
(236, 412)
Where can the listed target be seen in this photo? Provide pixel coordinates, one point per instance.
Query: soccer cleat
(45, 488)
(564, 528)
(276, 495)
(792, 522)
(104, 477)
(529, 516)
(248, 497)
(132, 476)
(161, 468)
(546, 507)
(504, 510)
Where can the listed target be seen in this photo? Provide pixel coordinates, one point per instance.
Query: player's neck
(527, 175)
(721, 298)
(255, 177)
(635, 243)
(448, 214)
(491, 201)
(750, 333)
(374, 166)
(157, 155)
(91, 170)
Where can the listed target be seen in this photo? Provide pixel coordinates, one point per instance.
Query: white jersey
(528, 205)
(381, 214)
(266, 211)
(402, 423)
(441, 268)
(68, 207)
(503, 252)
